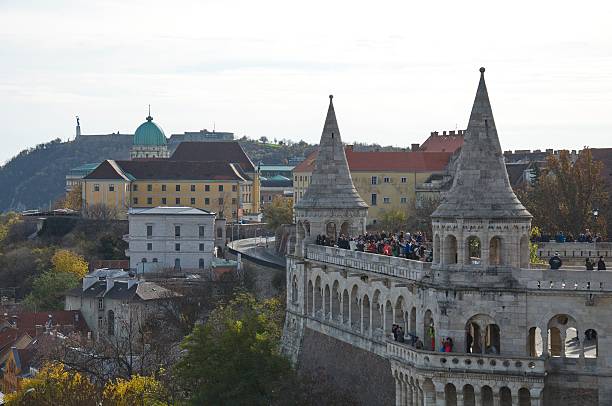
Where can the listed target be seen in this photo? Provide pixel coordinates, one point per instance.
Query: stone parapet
(382, 264)
(456, 362)
(568, 280)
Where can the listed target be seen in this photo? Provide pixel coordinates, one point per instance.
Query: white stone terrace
(365, 261)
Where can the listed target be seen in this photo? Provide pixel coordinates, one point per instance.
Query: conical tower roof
(481, 188)
(331, 183)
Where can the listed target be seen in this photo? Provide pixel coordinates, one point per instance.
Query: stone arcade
(522, 336)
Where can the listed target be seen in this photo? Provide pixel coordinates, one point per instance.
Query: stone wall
(367, 375)
(571, 390)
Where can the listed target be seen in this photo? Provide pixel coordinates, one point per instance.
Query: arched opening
(307, 228)
(534, 342)
(346, 302)
(294, 290)
(554, 342)
(318, 299)
(413, 326)
(376, 313)
(486, 396)
(327, 303)
(495, 252)
(111, 323)
(473, 250)
(399, 314)
(336, 302)
(310, 298)
(469, 399)
(388, 317)
(429, 332)
(524, 252)
(591, 349)
(473, 341)
(355, 310)
(572, 343)
(429, 392)
(450, 250)
(492, 336)
(450, 394)
(345, 229)
(365, 304)
(330, 230)
(436, 252)
(524, 397)
(505, 396)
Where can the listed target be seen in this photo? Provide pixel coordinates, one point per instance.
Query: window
(177, 200)
(177, 231)
(149, 231)
(177, 247)
(111, 323)
(96, 188)
(220, 188)
(234, 201)
(373, 199)
(135, 200)
(192, 200)
(220, 201)
(374, 180)
(111, 188)
(386, 200)
(269, 198)
(403, 200)
(219, 232)
(177, 263)
(404, 180)
(178, 188)
(301, 178)
(154, 260)
(100, 322)
(207, 188)
(149, 200)
(201, 247)
(201, 230)
(149, 188)
(149, 246)
(387, 179)
(234, 188)
(163, 188)
(135, 188)
(192, 188)
(295, 180)
(164, 200)
(201, 263)
(100, 303)
(144, 261)
(206, 201)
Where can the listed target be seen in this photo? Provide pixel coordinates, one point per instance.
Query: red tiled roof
(27, 321)
(8, 337)
(442, 143)
(358, 161)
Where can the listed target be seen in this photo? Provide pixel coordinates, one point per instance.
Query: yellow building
(385, 180)
(219, 187)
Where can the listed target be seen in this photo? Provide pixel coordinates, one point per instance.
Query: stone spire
(331, 183)
(481, 188)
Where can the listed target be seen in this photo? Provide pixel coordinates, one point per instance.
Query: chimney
(443, 132)
(414, 147)
(432, 133)
(451, 133)
(110, 282)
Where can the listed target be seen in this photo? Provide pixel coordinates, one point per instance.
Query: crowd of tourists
(446, 345)
(561, 237)
(404, 245)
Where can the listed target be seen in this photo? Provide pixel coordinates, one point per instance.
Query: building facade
(179, 238)
(385, 180)
(521, 335)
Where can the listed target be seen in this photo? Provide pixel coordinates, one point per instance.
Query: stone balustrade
(365, 261)
(564, 279)
(575, 250)
(459, 362)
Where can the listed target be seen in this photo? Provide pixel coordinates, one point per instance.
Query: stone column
(361, 316)
(515, 399)
(477, 396)
(581, 355)
(416, 400)
(496, 400)
(459, 397)
(402, 392)
(398, 392)
(440, 398)
(535, 401)
(483, 336)
(545, 353)
(563, 335)
(409, 394)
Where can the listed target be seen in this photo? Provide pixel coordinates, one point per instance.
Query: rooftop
(214, 151)
(171, 211)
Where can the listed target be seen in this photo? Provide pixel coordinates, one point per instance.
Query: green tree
(393, 220)
(234, 358)
(48, 290)
(279, 212)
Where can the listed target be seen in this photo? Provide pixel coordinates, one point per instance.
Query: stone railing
(458, 362)
(365, 261)
(563, 279)
(579, 250)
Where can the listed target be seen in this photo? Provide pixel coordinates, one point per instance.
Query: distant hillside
(36, 177)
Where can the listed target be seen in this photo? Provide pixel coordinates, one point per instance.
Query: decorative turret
(331, 205)
(480, 222)
(149, 140)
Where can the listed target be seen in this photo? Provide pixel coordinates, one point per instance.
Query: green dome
(149, 133)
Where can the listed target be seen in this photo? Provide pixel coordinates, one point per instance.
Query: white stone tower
(480, 224)
(331, 205)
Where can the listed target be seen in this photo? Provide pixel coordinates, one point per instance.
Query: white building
(172, 238)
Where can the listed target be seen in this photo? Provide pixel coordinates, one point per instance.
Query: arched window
(534, 342)
(505, 396)
(355, 310)
(469, 399)
(591, 349)
(436, 253)
(111, 323)
(366, 314)
(472, 249)
(450, 394)
(336, 302)
(495, 252)
(344, 229)
(429, 332)
(330, 230)
(201, 263)
(450, 250)
(524, 397)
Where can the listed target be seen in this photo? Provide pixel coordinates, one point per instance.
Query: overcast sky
(397, 69)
